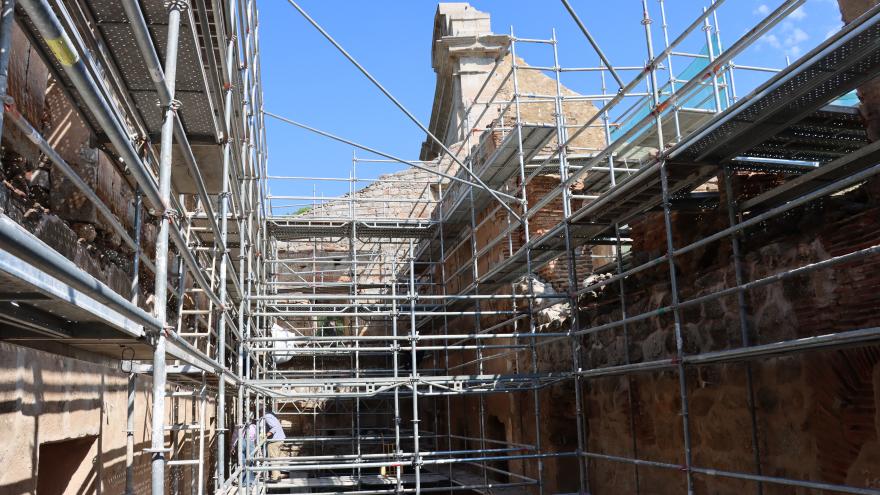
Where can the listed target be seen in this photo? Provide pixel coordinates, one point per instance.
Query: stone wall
(50, 398)
(46, 398)
(38, 196)
(411, 183)
(821, 405)
(532, 82)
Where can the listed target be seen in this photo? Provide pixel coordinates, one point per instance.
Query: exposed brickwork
(38, 196)
(819, 404)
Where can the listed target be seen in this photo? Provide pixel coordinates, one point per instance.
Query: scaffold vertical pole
(530, 276)
(742, 307)
(7, 24)
(395, 364)
(414, 373)
(132, 376)
(670, 250)
(157, 440)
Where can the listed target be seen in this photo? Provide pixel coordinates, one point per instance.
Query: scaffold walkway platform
(495, 171)
(794, 98)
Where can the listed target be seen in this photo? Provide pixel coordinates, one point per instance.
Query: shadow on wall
(63, 426)
(495, 430)
(60, 461)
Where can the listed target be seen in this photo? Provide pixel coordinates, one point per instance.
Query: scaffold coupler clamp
(158, 453)
(171, 215)
(150, 335)
(180, 5)
(173, 105)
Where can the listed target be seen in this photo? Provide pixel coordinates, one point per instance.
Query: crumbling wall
(514, 412)
(38, 196)
(821, 405)
(482, 146)
(407, 183)
(48, 398)
(410, 183)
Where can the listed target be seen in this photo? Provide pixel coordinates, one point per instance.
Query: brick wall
(821, 405)
(38, 196)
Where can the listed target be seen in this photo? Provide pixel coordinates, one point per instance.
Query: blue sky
(306, 79)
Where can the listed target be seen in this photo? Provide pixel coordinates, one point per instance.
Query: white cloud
(798, 15)
(763, 10)
(788, 40)
(796, 37)
(772, 40)
(833, 30)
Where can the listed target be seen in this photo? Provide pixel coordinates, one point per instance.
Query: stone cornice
(449, 49)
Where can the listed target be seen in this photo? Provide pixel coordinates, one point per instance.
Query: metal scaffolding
(199, 183)
(426, 316)
(373, 323)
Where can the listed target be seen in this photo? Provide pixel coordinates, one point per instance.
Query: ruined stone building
(659, 283)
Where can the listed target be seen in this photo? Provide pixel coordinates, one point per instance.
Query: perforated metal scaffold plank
(293, 229)
(501, 165)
